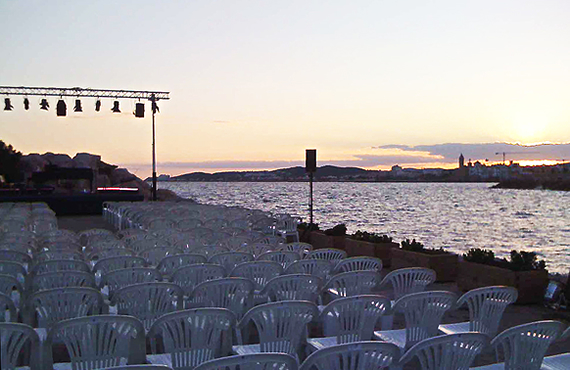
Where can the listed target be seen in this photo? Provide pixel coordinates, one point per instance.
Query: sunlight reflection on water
(455, 216)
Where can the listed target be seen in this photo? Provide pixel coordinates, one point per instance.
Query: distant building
(461, 161)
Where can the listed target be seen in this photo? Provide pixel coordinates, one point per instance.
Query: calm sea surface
(454, 216)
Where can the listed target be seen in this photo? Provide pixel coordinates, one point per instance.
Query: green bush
(479, 255)
(371, 237)
(413, 245)
(338, 230)
(525, 261)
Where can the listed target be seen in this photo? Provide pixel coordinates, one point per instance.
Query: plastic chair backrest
(13, 339)
(57, 255)
(109, 264)
(100, 341)
(332, 255)
(8, 284)
(260, 272)
(62, 279)
(169, 264)
(315, 267)
(352, 283)
(358, 264)
(353, 356)
(524, 346)
(453, 351)
(54, 305)
(265, 361)
(423, 312)
(118, 279)
(14, 269)
(486, 306)
(408, 280)
(188, 277)
(148, 301)
(293, 287)
(235, 294)
(154, 255)
(280, 325)
(231, 259)
(352, 319)
(302, 248)
(7, 307)
(59, 265)
(284, 258)
(16, 256)
(191, 336)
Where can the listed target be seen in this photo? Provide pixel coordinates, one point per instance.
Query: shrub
(338, 230)
(525, 261)
(308, 226)
(479, 255)
(371, 237)
(413, 245)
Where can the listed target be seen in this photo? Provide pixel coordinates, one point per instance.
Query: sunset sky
(255, 83)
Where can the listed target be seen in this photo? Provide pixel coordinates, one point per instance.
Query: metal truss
(81, 92)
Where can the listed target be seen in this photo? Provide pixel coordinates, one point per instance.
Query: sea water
(455, 216)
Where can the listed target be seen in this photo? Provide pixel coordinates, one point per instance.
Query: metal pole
(311, 195)
(153, 107)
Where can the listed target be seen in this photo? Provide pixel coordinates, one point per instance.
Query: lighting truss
(81, 92)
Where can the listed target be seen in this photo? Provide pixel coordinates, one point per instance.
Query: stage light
(61, 108)
(77, 107)
(44, 104)
(26, 103)
(155, 107)
(139, 110)
(115, 108)
(8, 104)
(97, 105)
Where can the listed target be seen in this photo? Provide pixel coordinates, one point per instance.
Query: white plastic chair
(258, 249)
(8, 311)
(169, 264)
(14, 269)
(486, 306)
(284, 258)
(96, 342)
(405, 281)
(188, 277)
(281, 327)
(315, 267)
(154, 255)
(109, 264)
(560, 361)
(62, 279)
(350, 319)
(14, 339)
(10, 286)
(186, 224)
(118, 279)
(57, 255)
(148, 301)
(332, 255)
(287, 228)
(260, 272)
(258, 361)
(231, 259)
(16, 256)
(235, 294)
(302, 248)
(189, 337)
(59, 265)
(358, 264)
(139, 367)
(523, 347)
(293, 287)
(273, 240)
(447, 352)
(423, 313)
(353, 356)
(352, 283)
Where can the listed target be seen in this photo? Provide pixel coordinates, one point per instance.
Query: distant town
(509, 174)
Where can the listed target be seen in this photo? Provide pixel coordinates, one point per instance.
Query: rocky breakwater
(104, 174)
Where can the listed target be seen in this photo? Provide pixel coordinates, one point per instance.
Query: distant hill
(283, 174)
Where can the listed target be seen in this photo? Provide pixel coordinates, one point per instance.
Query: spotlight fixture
(155, 107)
(97, 105)
(139, 110)
(61, 108)
(26, 103)
(115, 108)
(8, 104)
(44, 105)
(77, 107)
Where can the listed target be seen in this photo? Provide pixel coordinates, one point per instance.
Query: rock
(59, 160)
(86, 160)
(103, 181)
(121, 175)
(33, 163)
(165, 194)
